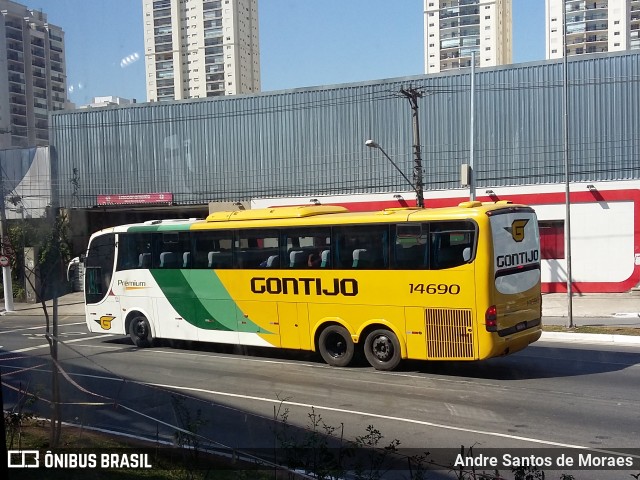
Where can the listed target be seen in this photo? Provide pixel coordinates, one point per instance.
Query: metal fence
(310, 141)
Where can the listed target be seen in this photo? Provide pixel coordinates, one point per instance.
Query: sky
(303, 43)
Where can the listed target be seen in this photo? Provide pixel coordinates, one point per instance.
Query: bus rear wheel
(382, 349)
(336, 346)
(140, 331)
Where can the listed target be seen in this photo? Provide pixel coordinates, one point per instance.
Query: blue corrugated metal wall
(311, 141)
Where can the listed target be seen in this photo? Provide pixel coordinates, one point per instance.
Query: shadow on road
(534, 362)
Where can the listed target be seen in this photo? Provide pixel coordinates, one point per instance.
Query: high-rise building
(453, 29)
(592, 26)
(200, 48)
(33, 76)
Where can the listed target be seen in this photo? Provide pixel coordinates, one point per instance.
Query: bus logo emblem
(105, 321)
(517, 229)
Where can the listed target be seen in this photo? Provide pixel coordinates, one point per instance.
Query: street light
(419, 197)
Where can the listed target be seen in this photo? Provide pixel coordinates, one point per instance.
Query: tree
(49, 238)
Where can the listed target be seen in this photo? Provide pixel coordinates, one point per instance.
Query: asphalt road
(547, 398)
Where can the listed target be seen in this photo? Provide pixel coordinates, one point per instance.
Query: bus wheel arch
(335, 344)
(139, 329)
(381, 347)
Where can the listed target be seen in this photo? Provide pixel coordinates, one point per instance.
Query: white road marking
(384, 417)
(40, 327)
(330, 409)
(46, 345)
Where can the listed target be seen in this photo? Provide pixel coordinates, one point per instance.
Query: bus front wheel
(382, 349)
(335, 346)
(140, 331)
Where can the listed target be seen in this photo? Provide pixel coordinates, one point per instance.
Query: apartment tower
(454, 29)
(592, 26)
(200, 48)
(32, 75)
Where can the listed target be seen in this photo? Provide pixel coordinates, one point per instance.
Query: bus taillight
(491, 319)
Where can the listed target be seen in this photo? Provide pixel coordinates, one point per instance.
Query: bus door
(294, 325)
(103, 306)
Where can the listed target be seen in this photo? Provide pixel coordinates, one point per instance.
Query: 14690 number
(434, 288)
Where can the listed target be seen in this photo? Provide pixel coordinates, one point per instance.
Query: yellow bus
(458, 283)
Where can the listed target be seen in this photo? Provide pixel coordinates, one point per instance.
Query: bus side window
(362, 247)
(411, 242)
(256, 247)
(212, 249)
(304, 247)
(453, 244)
(134, 251)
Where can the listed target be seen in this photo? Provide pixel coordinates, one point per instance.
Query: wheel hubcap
(382, 348)
(140, 330)
(336, 346)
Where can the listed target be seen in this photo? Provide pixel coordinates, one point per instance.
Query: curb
(590, 338)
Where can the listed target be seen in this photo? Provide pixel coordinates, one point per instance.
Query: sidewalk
(616, 305)
(70, 304)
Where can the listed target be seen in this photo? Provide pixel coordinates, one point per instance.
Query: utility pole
(412, 94)
(472, 172)
(567, 170)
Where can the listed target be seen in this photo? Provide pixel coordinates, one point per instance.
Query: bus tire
(382, 349)
(140, 331)
(336, 346)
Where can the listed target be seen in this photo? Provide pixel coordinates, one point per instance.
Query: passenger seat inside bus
(325, 259)
(217, 259)
(168, 260)
(144, 260)
(186, 260)
(297, 259)
(273, 261)
(360, 258)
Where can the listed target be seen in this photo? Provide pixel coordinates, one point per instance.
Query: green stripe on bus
(159, 228)
(201, 299)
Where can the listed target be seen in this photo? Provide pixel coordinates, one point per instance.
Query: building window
(551, 239)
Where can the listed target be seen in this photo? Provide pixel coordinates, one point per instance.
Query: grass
(168, 463)
(593, 329)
